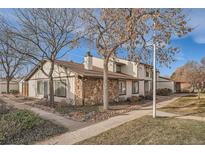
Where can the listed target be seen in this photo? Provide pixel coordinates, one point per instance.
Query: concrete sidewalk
(57, 119)
(166, 114)
(95, 129)
(98, 128)
(90, 131)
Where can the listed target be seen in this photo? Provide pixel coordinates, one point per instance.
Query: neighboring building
(164, 82)
(13, 86)
(82, 84)
(183, 86)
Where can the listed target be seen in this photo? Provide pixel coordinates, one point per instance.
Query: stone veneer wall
(90, 91)
(78, 91)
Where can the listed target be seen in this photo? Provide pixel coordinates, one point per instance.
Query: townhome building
(82, 84)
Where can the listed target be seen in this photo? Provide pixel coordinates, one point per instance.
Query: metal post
(154, 81)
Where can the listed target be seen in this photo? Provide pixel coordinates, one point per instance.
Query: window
(60, 88)
(118, 68)
(122, 87)
(135, 87)
(147, 73)
(40, 87)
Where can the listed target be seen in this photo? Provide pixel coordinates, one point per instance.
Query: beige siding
(131, 68)
(32, 90)
(58, 74)
(141, 87)
(99, 63)
(165, 83)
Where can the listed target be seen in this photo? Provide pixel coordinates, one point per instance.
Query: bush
(14, 91)
(164, 92)
(141, 97)
(134, 99)
(148, 97)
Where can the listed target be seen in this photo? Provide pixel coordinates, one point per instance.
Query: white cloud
(198, 23)
(199, 39)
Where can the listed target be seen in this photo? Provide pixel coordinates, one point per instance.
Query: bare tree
(48, 34)
(108, 29)
(112, 29)
(11, 61)
(202, 62)
(193, 73)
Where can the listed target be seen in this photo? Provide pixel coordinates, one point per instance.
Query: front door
(45, 89)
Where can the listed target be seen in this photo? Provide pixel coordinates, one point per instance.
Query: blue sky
(192, 46)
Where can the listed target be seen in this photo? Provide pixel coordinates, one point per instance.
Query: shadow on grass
(179, 107)
(194, 113)
(191, 95)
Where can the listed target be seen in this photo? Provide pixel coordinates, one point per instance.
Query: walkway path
(96, 129)
(60, 120)
(166, 114)
(82, 132)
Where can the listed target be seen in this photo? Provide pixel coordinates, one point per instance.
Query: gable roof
(80, 70)
(95, 72)
(180, 80)
(166, 78)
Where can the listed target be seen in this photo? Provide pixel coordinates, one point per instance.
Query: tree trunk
(7, 86)
(51, 91)
(105, 86)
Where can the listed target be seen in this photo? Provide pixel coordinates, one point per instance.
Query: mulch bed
(18, 98)
(93, 113)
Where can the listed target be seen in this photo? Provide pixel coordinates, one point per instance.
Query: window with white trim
(147, 73)
(118, 68)
(60, 88)
(40, 87)
(122, 87)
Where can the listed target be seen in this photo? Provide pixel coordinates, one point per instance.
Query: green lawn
(187, 105)
(147, 130)
(25, 127)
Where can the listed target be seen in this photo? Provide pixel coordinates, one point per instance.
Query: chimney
(88, 61)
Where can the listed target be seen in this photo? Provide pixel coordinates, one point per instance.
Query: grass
(147, 130)
(187, 105)
(25, 127)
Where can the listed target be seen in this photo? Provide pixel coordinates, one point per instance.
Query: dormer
(118, 67)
